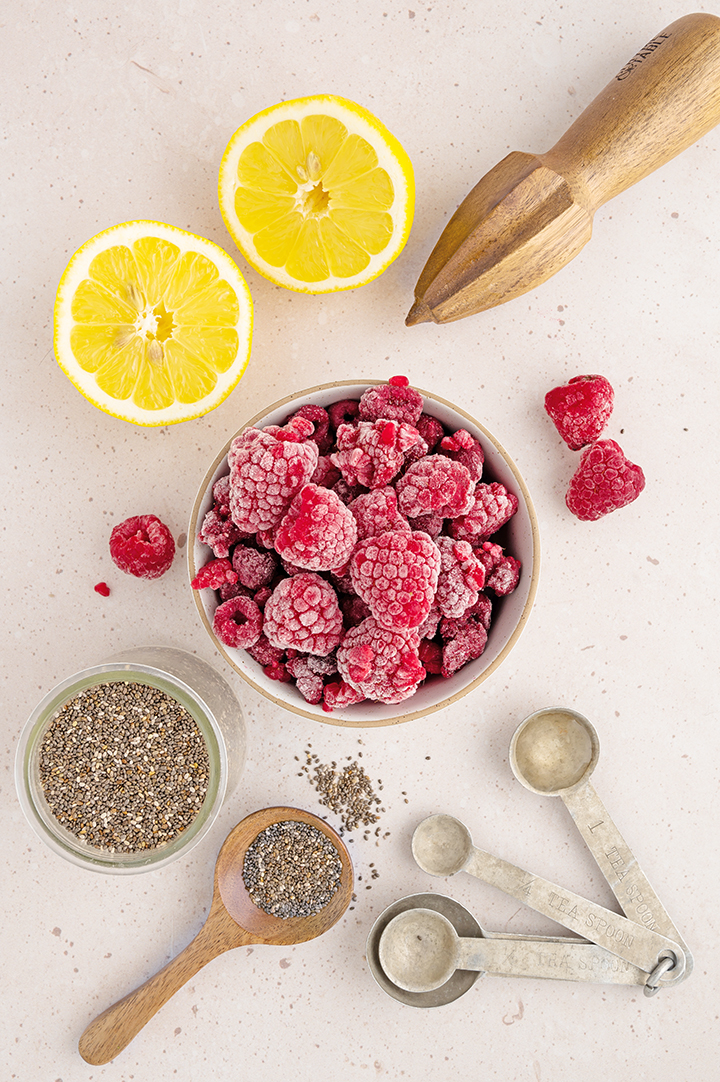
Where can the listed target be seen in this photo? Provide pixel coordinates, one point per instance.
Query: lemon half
(152, 324)
(317, 194)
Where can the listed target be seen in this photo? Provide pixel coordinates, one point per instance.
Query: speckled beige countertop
(112, 112)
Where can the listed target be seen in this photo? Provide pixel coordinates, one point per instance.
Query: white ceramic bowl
(510, 614)
(191, 682)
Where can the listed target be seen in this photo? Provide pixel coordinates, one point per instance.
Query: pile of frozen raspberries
(352, 548)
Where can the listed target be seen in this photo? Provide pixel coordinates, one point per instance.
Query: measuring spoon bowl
(553, 752)
(420, 950)
(233, 921)
(442, 846)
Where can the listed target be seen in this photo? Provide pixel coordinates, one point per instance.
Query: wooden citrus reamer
(532, 213)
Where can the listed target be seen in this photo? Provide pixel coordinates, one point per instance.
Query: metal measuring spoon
(233, 921)
(420, 950)
(553, 753)
(442, 846)
(605, 965)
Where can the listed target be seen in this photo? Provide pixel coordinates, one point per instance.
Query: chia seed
(291, 869)
(124, 767)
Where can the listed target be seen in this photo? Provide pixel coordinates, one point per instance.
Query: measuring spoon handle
(113, 1030)
(615, 859)
(634, 942)
(546, 959)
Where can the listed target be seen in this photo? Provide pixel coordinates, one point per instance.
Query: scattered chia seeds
(347, 792)
(124, 767)
(291, 869)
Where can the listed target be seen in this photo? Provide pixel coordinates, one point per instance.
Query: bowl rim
(335, 718)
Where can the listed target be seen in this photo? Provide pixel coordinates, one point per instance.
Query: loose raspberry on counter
(214, 574)
(142, 546)
(381, 664)
(492, 508)
(303, 614)
(461, 577)
(372, 453)
(254, 568)
(318, 532)
(604, 481)
(435, 485)
(267, 469)
(395, 400)
(396, 573)
(238, 622)
(464, 448)
(377, 512)
(102, 588)
(580, 409)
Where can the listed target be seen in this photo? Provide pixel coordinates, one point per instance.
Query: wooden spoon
(532, 213)
(233, 921)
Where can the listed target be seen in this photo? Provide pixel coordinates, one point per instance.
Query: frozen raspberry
(298, 429)
(580, 409)
(238, 622)
(463, 640)
(214, 574)
(347, 493)
(323, 666)
(428, 628)
(218, 530)
(431, 430)
(142, 546)
(303, 614)
(253, 567)
(435, 485)
(502, 572)
(384, 665)
(432, 525)
(226, 590)
(377, 512)
(430, 654)
(260, 597)
(493, 507)
(344, 412)
(265, 653)
(482, 610)
(265, 539)
(354, 609)
(464, 448)
(372, 453)
(338, 694)
(604, 481)
(267, 469)
(318, 532)
(394, 401)
(321, 425)
(461, 577)
(102, 588)
(325, 475)
(396, 573)
(276, 670)
(309, 684)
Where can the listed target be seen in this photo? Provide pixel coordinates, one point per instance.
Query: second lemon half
(317, 194)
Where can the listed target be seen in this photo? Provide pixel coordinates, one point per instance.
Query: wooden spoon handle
(113, 1030)
(664, 99)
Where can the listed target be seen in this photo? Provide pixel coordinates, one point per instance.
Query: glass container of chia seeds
(124, 766)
